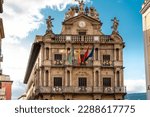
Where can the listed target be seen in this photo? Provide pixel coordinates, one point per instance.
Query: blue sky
(33, 23)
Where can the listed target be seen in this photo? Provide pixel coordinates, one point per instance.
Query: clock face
(82, 24)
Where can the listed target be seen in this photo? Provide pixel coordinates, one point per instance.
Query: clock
(82, 24)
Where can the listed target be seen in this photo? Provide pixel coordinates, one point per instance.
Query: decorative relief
(77, 10)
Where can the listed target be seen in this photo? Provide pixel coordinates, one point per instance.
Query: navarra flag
(85, 55)
(70, 56)
(90, 55)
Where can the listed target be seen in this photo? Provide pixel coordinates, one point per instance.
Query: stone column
(114, 54)
(49, 78)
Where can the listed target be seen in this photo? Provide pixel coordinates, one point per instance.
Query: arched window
(68, 78)
(47, 53)
(117, 54)
(68, 49)
(118, 79)
(46, 77)
(96, 54)
(97, 78)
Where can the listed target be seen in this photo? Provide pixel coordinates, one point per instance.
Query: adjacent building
(5, 82)
(80, 63)
(146, 29)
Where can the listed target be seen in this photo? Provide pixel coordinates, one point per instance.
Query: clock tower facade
(80, 63)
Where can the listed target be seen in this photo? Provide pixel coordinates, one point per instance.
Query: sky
(23, 20)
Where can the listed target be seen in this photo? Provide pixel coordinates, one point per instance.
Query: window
(106, 60)
(82, 33)
(57, 81)
(97, 78)
(58, 57)
(0, 85)
(47, 53)
(96, 53)
(68, 49)
(106, 57)
(107, 82)
(46, 77)
(82, 82)
(68, 78)
(117, 54)
(118, 79)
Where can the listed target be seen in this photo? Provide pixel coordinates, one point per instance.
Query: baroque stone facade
(5, 82)
(146, 31)
(81, 63)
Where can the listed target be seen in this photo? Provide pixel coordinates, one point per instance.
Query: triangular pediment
(82, 16)
(82, 23)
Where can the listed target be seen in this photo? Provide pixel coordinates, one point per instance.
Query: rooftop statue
(115, 25)
(49, 23)
(81, 5)
(77, 10)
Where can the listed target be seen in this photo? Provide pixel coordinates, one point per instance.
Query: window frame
(58, 84)
(82, 82)
(107, 83)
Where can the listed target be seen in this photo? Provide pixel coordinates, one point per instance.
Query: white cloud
(21, 17)
(135, 86)
(14, 64)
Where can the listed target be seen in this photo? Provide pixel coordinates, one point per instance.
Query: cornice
(145, 6)
(1, 29)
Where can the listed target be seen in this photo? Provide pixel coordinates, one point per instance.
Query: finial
(49, 23)
(115, 25)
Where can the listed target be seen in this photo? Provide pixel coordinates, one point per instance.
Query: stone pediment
(82, 23)
(82, 16)
(117, 38)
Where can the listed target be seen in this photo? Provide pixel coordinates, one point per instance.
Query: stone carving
(115, 25)
(49, 23)
(81, 5)
(76, 10)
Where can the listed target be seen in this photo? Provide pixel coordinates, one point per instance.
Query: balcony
(108, 90)
(2, 91)
(84, 64)
(120, 89)
(83, 90)
(58, 63)
(107, 64)
(60, 90)
(83, 38)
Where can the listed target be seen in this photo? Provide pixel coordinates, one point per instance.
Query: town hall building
(80, 63)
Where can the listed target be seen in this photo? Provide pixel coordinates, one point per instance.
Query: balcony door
(106, 82)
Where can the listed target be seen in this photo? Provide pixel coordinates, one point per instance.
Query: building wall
(78, 34)
(146, 30)
(7, 86)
